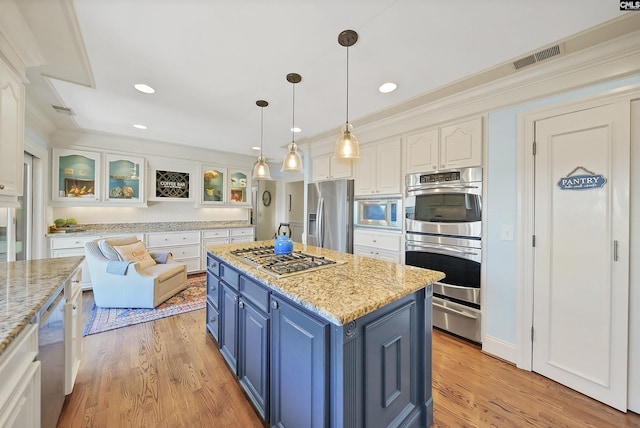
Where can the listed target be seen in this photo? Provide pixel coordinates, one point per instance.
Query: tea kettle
(282, 244)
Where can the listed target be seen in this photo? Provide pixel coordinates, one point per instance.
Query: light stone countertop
(340, 293)
(24, 287)
(115, 228)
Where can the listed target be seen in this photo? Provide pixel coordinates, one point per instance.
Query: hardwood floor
(168, 373)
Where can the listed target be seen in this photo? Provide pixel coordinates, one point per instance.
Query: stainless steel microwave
(383, 213)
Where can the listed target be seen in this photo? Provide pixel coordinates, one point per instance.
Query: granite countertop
(115, 228)
(24, 287)
(340, 293)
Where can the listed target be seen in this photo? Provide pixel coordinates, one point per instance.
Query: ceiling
(210, 60)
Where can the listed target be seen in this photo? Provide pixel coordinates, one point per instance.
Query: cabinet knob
(274, 304)
(435, 167)
(241, 305)
(75, 281)
(235, 299)
(1, 186)
(212, 319)
(75, 307)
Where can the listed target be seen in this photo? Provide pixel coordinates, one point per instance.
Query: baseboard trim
(500, 349)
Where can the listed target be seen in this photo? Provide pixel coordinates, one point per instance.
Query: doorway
(294, 209)
(574, 313)
(265, 216)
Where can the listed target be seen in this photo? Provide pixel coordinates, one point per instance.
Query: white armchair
(121, 284)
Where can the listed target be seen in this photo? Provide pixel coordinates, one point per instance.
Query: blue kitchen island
(346, 343)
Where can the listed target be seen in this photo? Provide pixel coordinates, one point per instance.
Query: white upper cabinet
(454, 146)
(125, 179)
(327, 167)
(12, 105)
(76, 177)
(422, 151)
(379, 169)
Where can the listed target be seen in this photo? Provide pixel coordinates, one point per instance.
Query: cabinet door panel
(11, 132)
(422, 151)
(229, 327)
(388, 168)
(461, 144)
(365, 176)
(299, 368)
(388, 349)
(253, 365)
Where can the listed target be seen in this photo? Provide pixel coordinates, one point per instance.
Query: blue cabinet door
(253, 356)
(299, 369)
(228, 340)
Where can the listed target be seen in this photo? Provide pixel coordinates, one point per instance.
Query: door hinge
(534, 148)
(533, 241)
(532, 333)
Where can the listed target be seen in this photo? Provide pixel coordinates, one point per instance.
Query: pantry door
(581, 266)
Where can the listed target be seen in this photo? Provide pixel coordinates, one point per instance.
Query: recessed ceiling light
(142, 87)
(139, 126)
(296, 129)
(385, 88)
(255, 148)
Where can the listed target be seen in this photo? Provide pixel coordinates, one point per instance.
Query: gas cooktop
(282, 265)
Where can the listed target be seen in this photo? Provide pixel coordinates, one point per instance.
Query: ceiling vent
(64, 110)
(538, 56)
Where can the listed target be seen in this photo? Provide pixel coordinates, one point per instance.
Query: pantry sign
(587, 181)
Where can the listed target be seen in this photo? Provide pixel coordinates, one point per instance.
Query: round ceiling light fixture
(387, 87)
(143, 87)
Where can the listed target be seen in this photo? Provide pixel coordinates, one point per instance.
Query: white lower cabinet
(379, 245)
(242, 234)
(20, 385)
(184, 246)
(212, 237)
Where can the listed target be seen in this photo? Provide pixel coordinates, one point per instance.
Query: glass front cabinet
(239, 187)
(76, 176)
(213, 182)
(125, 179)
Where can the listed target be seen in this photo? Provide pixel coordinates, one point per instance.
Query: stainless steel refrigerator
(330, 215)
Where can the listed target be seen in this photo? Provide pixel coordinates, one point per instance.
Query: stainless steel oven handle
(454, 311)
(440, 249)
(423, 189)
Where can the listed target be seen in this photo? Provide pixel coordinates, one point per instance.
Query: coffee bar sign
(587, 181)
(172, 184)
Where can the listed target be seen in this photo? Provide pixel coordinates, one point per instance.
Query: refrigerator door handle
(319, 222)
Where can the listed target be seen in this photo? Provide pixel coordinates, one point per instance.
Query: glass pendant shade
(347, 146)
(292, 160)
(261, 169)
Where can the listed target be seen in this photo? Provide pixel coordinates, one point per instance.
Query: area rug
(191, 298)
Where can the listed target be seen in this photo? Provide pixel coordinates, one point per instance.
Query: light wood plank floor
(168, 373)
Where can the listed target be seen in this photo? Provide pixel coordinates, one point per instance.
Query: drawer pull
(212, 319)
(274, 304)
(1, 186)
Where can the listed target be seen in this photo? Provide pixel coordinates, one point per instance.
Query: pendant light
(347, 144)
(260, 168)
(293, 160)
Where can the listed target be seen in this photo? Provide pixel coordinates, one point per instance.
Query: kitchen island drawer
(213, 320)
(173, 238)
(255, 293)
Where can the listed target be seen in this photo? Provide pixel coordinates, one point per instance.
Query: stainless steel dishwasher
(51, 356)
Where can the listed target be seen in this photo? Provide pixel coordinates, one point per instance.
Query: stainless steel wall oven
(443, 215)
